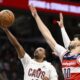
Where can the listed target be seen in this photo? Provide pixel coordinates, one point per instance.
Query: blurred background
(27, 33)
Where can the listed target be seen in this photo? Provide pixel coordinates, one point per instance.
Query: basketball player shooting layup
(34, 69)
(70, 58)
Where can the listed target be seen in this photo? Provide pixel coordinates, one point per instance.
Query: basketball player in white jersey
(71, 56)
(34, 69)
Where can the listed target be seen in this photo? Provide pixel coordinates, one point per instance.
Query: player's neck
(39, 60)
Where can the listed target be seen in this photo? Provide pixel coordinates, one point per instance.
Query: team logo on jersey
(78, 59)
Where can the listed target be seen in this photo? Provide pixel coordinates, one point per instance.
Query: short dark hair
(77, 36)
(71, 47)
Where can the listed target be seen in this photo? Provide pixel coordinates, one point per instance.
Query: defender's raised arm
(44, 30)
(65, 36)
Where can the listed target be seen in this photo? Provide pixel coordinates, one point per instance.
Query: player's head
(75, 42)
(40, 53)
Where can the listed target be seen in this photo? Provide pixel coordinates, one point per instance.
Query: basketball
(6, 18)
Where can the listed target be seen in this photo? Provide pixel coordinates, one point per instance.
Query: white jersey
(36, 71)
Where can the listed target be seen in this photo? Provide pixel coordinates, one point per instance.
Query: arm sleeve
(60, 50)
(53, 73)
(25, 60)
(66, 39)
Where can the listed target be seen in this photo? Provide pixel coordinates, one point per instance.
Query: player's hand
(33, 10)
(54, 53)
(60, 23)
(3, 28)
(45, 78)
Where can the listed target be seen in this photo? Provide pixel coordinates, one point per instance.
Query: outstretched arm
(15, 43)
(65, 36)
(44, 30)
(47, 35)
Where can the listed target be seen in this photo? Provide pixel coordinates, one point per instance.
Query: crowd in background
(10, 66)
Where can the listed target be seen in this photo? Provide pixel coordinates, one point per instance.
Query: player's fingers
(54, 53)
(32, 8)
(61, 17)
(45, 78)
(58, 22)
(4, 29)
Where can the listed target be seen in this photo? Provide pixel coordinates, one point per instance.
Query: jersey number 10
(66, 73)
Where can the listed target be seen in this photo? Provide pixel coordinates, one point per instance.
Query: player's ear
(34, 52)
(45, 55)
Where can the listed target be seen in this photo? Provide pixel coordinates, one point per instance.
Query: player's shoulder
(48, 64)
